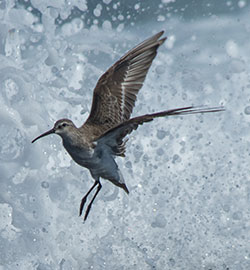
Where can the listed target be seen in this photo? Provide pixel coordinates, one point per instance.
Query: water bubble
(107, 2)
(160, 152)
(58, 192)
(176, 158)
(232, 48)
(161, 134)
(128, 164)
(170, 42)
(237, 215)
(11, 88)
(107, 25)
(45, 184)
(241, 3)
(161, 18)
(237, 66)
(162, 247)
(155, 190)
(160, 221)
(160, 69)
(98, 10)
(247, 110)
(137, 6)
(11, 142)
(171, 262)
(120, 17)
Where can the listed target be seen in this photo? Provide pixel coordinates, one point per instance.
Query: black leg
(90, 204)
(85, 197)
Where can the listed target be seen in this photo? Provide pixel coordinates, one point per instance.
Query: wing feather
(113, 138)
(116, 91)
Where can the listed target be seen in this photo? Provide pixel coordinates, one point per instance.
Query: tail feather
(124, 187)
(114, 136)
(179, 111)
(119, 182)
(128, 126)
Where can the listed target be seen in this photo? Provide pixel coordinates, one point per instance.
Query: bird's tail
(179, 111)
(119, 181)
(114, 137)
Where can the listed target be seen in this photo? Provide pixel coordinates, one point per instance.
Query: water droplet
(45, 184)
(247, 110)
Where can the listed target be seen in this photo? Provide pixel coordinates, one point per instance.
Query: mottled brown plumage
(96, 143)
(115, 93)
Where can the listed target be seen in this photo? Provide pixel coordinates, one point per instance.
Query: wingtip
(159, 34)
(162, 40)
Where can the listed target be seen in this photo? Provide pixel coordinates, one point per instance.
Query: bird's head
(62, 127)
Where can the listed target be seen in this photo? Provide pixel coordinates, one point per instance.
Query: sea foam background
(189, 177)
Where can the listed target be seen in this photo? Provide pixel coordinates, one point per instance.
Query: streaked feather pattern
(115, 93)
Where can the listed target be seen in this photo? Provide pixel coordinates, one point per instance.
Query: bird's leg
(85, 197)
(90, 204)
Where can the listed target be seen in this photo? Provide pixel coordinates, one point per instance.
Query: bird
(103, 136)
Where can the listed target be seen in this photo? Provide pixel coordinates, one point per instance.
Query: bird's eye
(64, 125)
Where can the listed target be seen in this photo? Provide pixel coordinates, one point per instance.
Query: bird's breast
(81, 154)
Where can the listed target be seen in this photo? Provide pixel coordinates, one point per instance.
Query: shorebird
(101, 138)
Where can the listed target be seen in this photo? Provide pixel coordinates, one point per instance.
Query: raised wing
(115, 93)
(113, 138)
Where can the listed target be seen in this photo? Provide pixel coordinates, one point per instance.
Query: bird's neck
(74, 141)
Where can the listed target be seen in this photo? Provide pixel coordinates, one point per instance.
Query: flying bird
(101, 138)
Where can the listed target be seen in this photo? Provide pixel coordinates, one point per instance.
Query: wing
(115, 93)
(113, 138)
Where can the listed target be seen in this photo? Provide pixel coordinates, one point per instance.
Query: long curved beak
(44, 134)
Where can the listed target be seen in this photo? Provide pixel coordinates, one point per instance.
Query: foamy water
(188, 177)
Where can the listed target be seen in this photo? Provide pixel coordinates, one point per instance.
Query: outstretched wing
(115, 93)
(113, 138)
